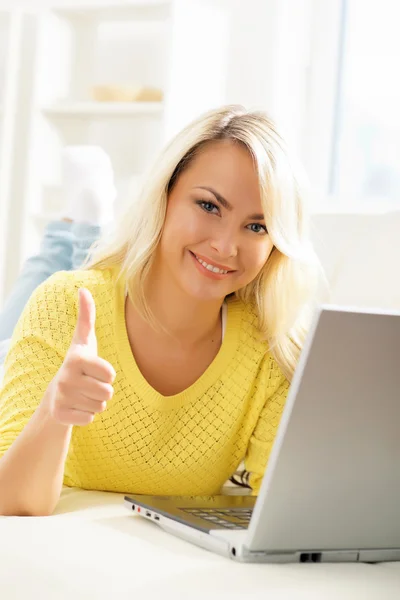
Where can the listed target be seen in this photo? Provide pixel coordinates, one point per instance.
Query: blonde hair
(284, 291)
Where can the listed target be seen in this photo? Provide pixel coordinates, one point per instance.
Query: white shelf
(149, 10)
(103, 109)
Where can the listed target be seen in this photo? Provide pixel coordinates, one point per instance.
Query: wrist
(45, 417)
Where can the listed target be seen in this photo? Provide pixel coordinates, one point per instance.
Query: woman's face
(214, 240)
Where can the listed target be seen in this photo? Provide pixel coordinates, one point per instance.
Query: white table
(94, 548)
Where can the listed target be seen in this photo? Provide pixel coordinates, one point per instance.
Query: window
(352, 146)
(365, 162)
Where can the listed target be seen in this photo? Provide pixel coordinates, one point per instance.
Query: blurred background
(128, 74)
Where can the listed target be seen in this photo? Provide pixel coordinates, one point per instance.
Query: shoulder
(62, 287)
(254, 346)
(245, 318)
(68, 282)
(53, 305)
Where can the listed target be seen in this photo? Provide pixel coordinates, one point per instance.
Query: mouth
(211, 269)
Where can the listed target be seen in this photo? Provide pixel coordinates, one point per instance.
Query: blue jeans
(64, 247)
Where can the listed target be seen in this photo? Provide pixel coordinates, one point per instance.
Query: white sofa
(361, 256)
(93, 548)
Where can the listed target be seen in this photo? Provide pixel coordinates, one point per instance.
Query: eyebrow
(226, 204)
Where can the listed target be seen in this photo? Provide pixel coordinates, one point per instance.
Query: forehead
(227, 167)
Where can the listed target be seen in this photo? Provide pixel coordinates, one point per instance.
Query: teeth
(211, 267)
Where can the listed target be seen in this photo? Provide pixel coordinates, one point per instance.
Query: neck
(184, 317)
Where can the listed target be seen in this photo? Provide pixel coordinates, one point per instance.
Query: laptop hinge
(389, 555)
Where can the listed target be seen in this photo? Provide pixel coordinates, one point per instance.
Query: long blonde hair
(284, 291)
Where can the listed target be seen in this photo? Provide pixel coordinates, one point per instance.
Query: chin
(203, 295)
(203, 291)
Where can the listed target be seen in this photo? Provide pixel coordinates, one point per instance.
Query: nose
(224, 243)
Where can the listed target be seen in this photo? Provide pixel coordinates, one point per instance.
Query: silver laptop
(331, 490)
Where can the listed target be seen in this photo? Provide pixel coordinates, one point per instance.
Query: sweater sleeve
(263, 436)
(38, 346)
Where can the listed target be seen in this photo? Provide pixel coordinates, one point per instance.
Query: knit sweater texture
(146, 443)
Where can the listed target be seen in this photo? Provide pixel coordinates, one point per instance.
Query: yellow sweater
(186, 444)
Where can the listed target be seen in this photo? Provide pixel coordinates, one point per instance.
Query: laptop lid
(333, 477)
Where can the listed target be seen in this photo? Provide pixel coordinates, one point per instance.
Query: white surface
(93, 548)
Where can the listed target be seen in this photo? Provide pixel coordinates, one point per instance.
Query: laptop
(331, 489)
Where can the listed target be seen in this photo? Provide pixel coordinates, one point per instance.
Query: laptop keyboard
(231, 518)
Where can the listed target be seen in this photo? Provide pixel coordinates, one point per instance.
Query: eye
(257, 228)
(208, 206)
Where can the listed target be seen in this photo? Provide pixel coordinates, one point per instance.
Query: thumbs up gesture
(83, 384)
(85, 334)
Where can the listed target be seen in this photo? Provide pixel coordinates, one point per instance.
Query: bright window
(365, 154)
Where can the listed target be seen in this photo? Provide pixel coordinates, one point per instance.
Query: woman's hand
(83, 384)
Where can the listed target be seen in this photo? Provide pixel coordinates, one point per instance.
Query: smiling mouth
(211, 267)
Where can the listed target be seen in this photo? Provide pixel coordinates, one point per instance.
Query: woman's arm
(32, 469)
(54, 379)
(264, 434)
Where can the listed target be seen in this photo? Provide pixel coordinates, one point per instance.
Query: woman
(174, 363)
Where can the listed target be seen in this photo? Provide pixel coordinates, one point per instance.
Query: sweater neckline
(213, 372)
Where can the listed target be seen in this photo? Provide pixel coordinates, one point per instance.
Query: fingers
(96, 390)
(80, 411)
(100, 369)
(71, 388)
(92, 366)
(81, 394)
(70, 416)
(85, 404)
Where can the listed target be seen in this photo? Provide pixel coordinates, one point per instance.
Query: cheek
(258, 256)
(182, 226)
(179, 230)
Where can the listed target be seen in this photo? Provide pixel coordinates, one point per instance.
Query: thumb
(85, 334)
